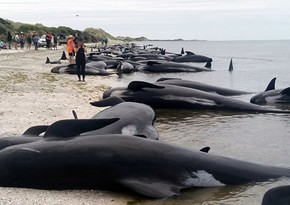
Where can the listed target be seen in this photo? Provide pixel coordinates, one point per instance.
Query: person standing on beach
(70, 48)
(35, 41)
(22, 39)
(16, 40)
(55, 42)
(9, 39)
(48, 40)
(29, 41)
(80, 50)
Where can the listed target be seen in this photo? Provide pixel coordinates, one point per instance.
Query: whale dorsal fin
(71, 128)
(47, 60)
(63, 57)
(35, 130)
(286, 91)
(110, 101)
(271, 85)
(182, 51)
(189, 53)
(231, 67)
(205, 149)
(138, 85)
(152, 188)
(151, 63)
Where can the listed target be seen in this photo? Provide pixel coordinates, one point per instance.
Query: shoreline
(32, 95)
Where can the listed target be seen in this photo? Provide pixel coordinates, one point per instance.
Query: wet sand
(32, 95)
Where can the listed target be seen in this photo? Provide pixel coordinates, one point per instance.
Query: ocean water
(258, 138)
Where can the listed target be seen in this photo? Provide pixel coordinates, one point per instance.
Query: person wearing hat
(22, 40)
(70, 48)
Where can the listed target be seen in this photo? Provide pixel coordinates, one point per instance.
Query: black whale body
(191, 57)
(72, 69)
(277, 196)
(272, 95)
(179, 97)
(201, 86)
(170, 67)
(135, 119)
(149, 167)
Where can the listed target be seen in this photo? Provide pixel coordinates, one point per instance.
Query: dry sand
(32, 95)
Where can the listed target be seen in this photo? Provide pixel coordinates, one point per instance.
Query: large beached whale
(179, 97)
(135, 119)
(202, 86)
(272, 95)
(191, 57)
(152, 168)
(277, 196)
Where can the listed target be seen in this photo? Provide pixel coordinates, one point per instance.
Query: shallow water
(258, 138)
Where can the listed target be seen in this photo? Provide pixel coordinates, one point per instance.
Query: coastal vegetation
(89, 34)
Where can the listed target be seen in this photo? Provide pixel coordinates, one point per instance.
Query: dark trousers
(81, 70)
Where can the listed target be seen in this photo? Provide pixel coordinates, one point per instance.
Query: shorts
(71, 54)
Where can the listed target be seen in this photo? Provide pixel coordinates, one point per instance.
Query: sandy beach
(32, 95)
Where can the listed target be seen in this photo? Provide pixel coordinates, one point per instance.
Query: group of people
(20, 40)
(75, 47)
(76, 51)
(51, 41)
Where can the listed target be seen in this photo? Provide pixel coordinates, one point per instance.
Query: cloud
(206, 19)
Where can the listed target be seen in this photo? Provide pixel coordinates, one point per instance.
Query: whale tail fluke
(63, 57)
(208, 64)
(47, 60)
(231, 68)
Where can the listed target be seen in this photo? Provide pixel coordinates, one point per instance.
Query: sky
(160, 19)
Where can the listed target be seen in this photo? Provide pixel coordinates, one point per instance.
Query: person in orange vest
(70, 48)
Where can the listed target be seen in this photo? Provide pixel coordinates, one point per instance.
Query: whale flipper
(154, 189)
(271, 85)
(75, 114)
(138, 85)
(71, 128)
(164, 79)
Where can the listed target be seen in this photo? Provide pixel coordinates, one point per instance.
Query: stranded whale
(272, 95)
(178, 97)
(149, 167)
